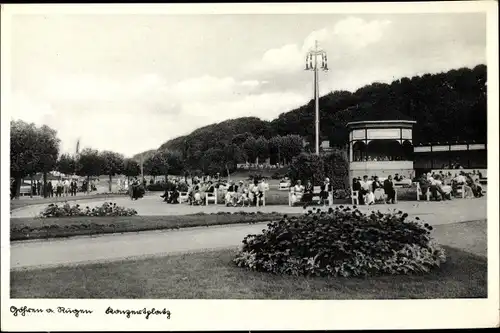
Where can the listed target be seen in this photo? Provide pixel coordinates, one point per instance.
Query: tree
(214, 160)
(164, 162)
(261, 148)
(337, 169)
(156, 165)
(66, 164)
(250, 148)
(306, 167)
(175, 162)
(113, 164)
(89, 163)
(131, 168)
(291, 146)
(32, 150)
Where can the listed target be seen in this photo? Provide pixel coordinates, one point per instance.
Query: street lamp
(312, 65)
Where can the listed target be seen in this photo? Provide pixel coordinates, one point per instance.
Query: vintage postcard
(285, 166)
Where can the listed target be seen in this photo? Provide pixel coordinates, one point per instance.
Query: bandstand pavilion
(381, 147)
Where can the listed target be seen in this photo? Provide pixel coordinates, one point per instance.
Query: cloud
(349, 34)
(105, 113)
(359, 33)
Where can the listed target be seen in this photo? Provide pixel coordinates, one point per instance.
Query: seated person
(378, 190)
(174, 196)
(325, 189)
(365, 187)
(437, 189)
(165, 195)
(308, 192)
(424, 183)
(356, 186)
(231, 194)
(253, 192)
(298, 192)
(262, 187)
(369, 197)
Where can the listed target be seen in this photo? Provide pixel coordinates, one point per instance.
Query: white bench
(461, 191)
(355, 196)
(284, 186)
(211, 197)
(316, 192)
(183, 197)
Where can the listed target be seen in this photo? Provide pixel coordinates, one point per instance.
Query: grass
(36, 228)
(212, 275)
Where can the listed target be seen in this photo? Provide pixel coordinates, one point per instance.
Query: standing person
(38, 187)
(389, 190)
(66, 187)
(59, 188)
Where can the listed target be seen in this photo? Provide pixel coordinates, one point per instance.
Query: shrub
(181, 187)
(342, 242)
(107, 209)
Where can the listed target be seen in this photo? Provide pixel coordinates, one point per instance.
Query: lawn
(36, 228)
(212, 275)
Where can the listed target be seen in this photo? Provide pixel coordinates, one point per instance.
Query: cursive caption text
(24, 310)
(143, 312)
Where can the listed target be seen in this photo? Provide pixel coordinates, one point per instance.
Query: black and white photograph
(231, 156)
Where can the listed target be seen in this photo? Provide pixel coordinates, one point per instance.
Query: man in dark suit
(389, 190)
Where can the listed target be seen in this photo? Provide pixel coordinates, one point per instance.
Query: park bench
(355, 196)
(183, 197)
(263, 199)
(211, 197)
(315, 197)
(284, 186)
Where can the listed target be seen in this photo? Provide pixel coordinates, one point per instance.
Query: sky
(129, 83)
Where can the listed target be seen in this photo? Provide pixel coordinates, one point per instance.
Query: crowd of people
(445, 186)
(56, 188)
(243, 193)
(375, 158)
(371, 191)
(305, 194)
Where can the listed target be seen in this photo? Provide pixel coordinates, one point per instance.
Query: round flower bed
(107, 209)
(342, 242)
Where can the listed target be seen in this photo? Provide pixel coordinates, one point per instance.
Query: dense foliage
(342, 242)
(447, 106)
(112, 164)
(333, 165)
(107, 209)
(32, 149)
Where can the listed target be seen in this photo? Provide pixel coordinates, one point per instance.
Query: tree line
(35, 150)
(448, 106)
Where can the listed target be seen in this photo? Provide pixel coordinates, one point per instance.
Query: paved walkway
(44, 253)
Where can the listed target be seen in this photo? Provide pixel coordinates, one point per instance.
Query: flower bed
(107, 209)
(342, 242)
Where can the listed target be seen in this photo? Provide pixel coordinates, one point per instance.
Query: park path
(46, 253)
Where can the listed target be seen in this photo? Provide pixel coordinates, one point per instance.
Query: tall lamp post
(312, 64)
